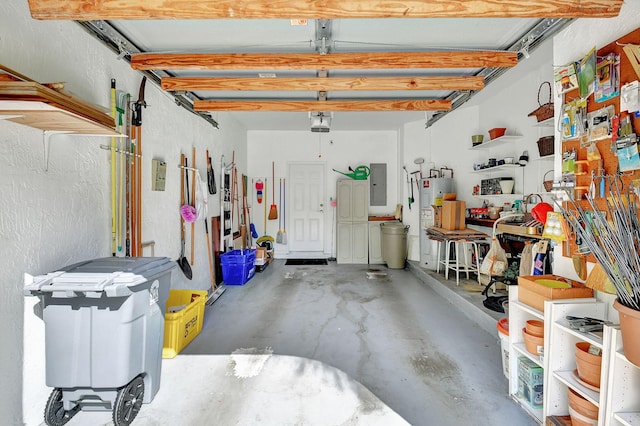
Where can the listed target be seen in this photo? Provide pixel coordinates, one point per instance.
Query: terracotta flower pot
(630, 330)
(535, 328)
(589, 365)
(582, 406)
(532, 343)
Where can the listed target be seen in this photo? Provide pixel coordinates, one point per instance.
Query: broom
(279, 235)
(273, 211)
(284, 211)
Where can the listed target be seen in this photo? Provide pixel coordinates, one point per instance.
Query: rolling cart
(104, 330)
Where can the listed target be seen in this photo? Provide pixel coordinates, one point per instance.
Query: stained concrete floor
(414, 349)
(319, 345)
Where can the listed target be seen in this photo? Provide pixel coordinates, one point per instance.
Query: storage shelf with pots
(623, 384)
(560, 356)
(519, 314)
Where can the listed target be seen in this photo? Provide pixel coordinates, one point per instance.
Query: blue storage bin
(238, 266)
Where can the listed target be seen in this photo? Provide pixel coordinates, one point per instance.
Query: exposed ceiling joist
(324, 84)
(82, 10)
(311, 106)
(314, 61)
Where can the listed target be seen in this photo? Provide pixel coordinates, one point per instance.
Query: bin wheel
(128, 402)
(54, 412)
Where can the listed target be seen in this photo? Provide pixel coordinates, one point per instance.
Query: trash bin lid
(115, 277)
(394, 228)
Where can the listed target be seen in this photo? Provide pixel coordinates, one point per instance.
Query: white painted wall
(337, 150)
(571, 45)
(57, 217)
(505, 102)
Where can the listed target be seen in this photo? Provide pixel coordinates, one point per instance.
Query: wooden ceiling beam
(85, 10)
(324, 84)
(333, 106)
(315, 61)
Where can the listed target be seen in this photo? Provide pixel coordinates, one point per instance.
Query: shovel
(182, 261)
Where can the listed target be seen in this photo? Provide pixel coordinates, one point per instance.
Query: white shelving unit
(505, 146)
(618, 398)
(623, 385)
(561, 360)
(519, 314)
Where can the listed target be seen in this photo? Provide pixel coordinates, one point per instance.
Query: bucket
(394, 244)
(503, 333)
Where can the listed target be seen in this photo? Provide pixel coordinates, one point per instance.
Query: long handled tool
(409, 188)
(122, 100)
(114, 225)
(284, 211)
(193, 200)
(279, 234)
(182, 261)
(273, 211)
(137, 126)
(211, 176)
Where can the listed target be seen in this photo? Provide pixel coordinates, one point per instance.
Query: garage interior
(361, 86)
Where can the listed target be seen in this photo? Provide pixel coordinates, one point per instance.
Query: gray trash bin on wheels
(104, 331)
(394, 244)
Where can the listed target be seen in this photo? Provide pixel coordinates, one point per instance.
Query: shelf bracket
(46, 141)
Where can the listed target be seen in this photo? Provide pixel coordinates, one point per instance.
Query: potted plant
(610, 229)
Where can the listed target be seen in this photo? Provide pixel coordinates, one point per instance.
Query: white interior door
(305, 227)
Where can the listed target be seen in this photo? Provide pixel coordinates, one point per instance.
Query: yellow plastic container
(181, 327)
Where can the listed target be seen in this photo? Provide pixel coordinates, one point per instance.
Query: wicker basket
(548, 184)
(543, 112)
(545, 145)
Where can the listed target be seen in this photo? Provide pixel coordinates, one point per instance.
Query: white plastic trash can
(503, 334)
(394, 244)
(104, 331)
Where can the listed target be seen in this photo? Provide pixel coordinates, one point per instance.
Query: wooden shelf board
(34, 105)
(628, 419)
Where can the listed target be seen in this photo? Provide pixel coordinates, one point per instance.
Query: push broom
(273, 211)
(279, 235)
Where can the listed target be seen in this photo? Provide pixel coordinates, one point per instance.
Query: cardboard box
(532, 293)
(532, 394)
(530, 372)
(453, 215)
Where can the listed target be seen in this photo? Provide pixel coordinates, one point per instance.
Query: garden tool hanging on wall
(409, 188)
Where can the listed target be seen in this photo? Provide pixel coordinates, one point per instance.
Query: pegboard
(609, 158)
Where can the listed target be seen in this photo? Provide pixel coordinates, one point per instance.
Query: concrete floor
(317, 333)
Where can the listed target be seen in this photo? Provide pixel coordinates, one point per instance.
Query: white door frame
(290, 202)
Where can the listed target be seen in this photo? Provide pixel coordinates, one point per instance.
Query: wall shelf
(497, 141)
(509, 167)
(34, 105)
(549, 122)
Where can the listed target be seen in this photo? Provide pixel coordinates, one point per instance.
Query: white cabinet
(352, 216)
(353, 200)
(352, 245)
(618, 399)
